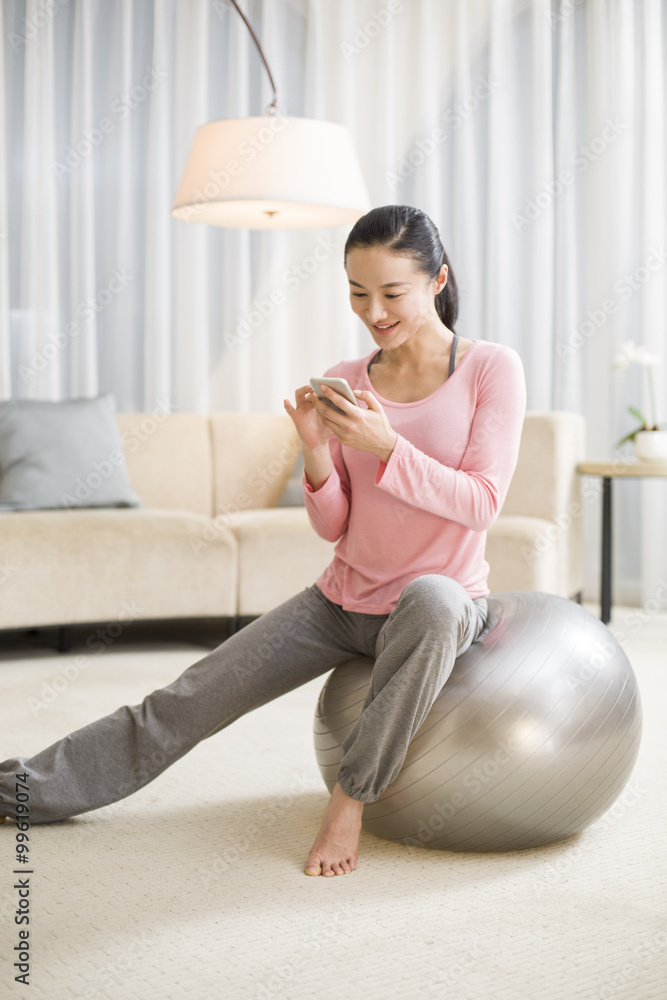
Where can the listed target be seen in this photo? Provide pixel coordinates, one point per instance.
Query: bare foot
(335, 849)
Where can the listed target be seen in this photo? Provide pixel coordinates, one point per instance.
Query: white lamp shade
(272, 172)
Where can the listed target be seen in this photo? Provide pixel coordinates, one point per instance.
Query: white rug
(194, 886)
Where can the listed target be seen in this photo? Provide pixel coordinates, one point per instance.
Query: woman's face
(393, 299)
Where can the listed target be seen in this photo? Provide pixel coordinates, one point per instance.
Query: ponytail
(447, 300)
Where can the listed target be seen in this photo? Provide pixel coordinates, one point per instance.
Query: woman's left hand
(363, 429)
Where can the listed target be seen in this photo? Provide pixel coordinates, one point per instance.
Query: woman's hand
(363, 429)
(312, 430)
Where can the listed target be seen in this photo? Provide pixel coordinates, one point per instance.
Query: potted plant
(649, 439)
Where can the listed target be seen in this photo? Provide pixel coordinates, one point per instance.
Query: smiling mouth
(385, 329)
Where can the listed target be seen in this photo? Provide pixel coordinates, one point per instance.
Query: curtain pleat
(5, 320)
(124, 216)
(531, 131)
(159, 333)
(500, 306)
(191, 317)
(41, 345)
(653, 302)
(568, 254)
(467, 240)
(541, 242)
(86, 298)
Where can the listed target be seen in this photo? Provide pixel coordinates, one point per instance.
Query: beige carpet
(194, 886)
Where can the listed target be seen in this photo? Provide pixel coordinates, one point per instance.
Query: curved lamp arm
(273, 106)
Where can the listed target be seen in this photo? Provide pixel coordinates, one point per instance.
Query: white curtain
(531, 132)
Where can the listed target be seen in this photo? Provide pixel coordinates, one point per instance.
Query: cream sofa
(210, 541)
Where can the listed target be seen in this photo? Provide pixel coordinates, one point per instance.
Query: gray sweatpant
(414, 647)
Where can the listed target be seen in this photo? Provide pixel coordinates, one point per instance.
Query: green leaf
(629, 437)
(638, 415)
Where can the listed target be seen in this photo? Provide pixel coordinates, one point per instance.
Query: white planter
(651, 446)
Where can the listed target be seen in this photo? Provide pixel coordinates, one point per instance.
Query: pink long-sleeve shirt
(428, 508)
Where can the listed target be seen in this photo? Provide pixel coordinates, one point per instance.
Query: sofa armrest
(518, 559)
(546, 481)
(547, 487)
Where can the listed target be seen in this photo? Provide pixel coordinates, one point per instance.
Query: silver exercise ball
(532, 737)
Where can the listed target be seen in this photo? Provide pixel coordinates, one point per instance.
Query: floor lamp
(271, 172)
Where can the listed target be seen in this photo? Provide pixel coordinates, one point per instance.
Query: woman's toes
(313, 866)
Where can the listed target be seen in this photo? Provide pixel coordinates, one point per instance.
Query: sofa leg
(64, 638)
(579, 596)
(234, 624)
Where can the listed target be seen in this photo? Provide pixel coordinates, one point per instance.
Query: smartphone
(339, 385)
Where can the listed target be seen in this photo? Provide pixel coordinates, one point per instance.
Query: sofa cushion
(169, 459)
(253, 458)
(61, 567)
(62, 454)
(279, 555)
(292, 495)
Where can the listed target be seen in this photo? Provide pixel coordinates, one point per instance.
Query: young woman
(407, 484)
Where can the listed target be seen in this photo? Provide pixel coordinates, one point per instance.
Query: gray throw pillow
(66, 454)
(292, 495)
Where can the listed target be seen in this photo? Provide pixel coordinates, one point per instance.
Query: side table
(617, 469)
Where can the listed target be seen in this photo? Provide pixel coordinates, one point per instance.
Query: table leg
(605, 580)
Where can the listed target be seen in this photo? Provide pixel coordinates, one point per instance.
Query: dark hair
(408, 232)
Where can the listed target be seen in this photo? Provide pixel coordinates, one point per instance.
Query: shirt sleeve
(474, 493)
(328, 507)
